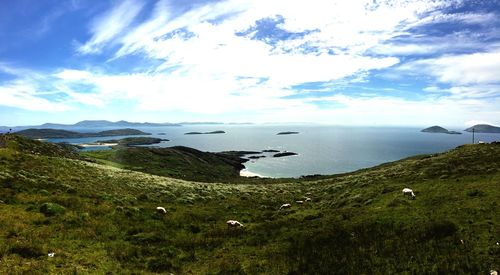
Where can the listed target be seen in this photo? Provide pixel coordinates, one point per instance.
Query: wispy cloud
(110, 24)
(259, 58)
(23, 94)
(476, 68)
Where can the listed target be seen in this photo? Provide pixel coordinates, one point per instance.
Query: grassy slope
(177, 162)
(356, 223)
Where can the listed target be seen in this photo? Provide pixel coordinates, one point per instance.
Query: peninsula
(439, 130)
(132, 141)
(57, 133)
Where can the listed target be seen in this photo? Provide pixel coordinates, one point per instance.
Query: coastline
(248, 174)
(97, 144)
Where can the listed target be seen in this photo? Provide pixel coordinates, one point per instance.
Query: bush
(475, 193)
(439, 229)
(27, 251)
(159, 265)
(44, 192)
(52, 209)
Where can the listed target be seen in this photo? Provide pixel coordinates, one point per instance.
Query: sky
(364, 63)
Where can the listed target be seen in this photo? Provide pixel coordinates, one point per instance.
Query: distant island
(205, 133)
(484, 128)
(439, 130)
(57, 133)
(287, 133)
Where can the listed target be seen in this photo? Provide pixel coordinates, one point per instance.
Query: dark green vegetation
(133, 141)
(178, 162)
(439, 129)
(55, 133)
(287, 133)
(483, 128)
(100, 219)
(205, 133)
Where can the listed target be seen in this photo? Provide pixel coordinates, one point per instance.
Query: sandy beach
(97, 144)
(246, 173)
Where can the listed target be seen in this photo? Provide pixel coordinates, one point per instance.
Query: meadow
(99, 216)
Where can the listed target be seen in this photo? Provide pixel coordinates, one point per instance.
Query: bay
(321, 149)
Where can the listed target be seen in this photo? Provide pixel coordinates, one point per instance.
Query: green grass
(177, 162)
(356, 223)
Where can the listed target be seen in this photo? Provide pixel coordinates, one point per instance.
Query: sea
(320, 149)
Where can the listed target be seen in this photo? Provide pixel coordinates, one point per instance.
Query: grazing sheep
(409, 192)
(286, 205)
(161, 210)
(493, 272)
(299, 202)
(308, 199)
(233, 223)
(51, 255)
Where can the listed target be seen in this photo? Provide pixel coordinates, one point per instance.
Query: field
(98, 217)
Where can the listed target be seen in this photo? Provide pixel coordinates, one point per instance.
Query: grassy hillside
(178, 162)
(99, 219)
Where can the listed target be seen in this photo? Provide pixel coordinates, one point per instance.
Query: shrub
(44, 192)
(26, 250)
(439, 229)
(52, 209)
(475, 193)
(159, 265)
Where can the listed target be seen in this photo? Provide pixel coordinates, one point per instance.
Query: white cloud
(106, 27)
(207, 69)
(23, 95)
(476, 68)
(467, 75)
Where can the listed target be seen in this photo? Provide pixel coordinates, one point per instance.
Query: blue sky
(395, 63)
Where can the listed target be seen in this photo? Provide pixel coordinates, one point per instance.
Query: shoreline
(97, 144)
(247, 174)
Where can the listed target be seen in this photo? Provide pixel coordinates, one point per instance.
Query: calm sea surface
(320, 149)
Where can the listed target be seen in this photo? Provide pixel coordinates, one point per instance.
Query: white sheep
(161, 210)
(233, 223)
(286, 205)
(409, 192)
(51, 255)
(299, 202)
(308, 199)
(493, 272)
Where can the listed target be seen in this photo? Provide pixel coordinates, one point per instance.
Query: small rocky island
(439, 130)
(270, 151)
(205, 133)
(284, 154)
(287, 133)
(254, 155)
(484, 128)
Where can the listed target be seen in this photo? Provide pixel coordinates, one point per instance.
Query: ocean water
(320, 149)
